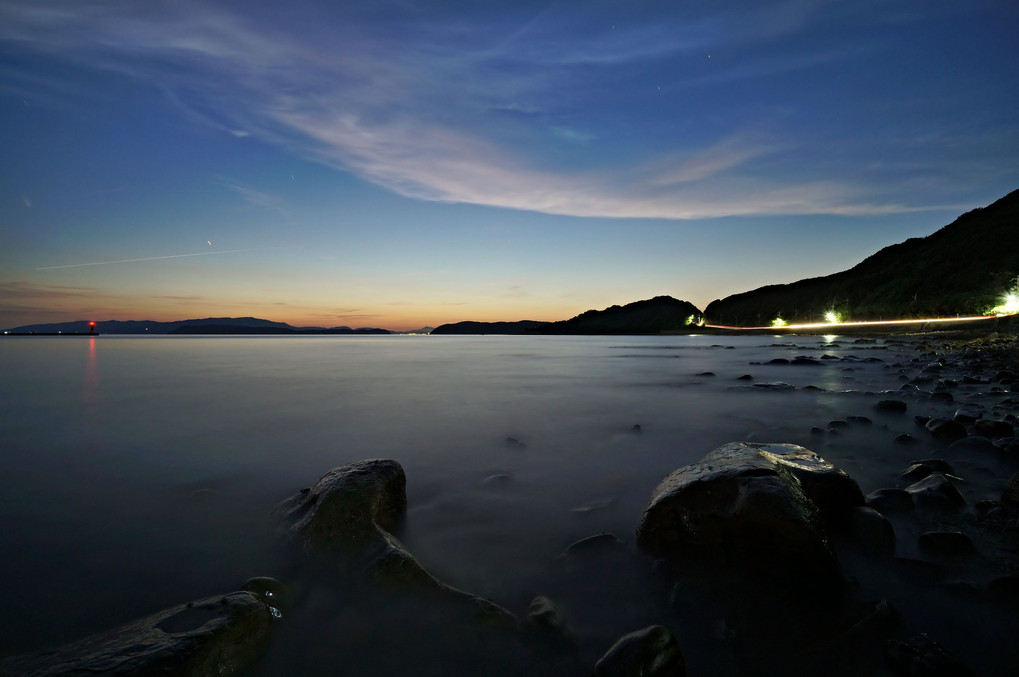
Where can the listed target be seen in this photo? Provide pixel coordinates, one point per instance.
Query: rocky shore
(760, 558)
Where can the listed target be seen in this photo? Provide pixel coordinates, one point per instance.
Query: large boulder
(216, 636)
(346, 518)
(756, 514)
(347, 507)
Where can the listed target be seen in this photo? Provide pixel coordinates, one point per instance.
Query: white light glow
(874, 323)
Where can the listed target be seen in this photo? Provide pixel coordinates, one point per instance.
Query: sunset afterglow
(400, 165)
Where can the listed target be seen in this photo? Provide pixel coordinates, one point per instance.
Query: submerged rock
(220, 635)
(753, 513)
(650, 652)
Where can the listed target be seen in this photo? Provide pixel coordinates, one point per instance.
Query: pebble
(891, 406)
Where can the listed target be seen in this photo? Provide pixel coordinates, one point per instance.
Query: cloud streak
(416, 116)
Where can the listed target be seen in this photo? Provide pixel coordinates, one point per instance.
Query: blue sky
(398, 164)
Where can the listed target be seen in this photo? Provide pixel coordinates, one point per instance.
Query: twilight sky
(398, 164)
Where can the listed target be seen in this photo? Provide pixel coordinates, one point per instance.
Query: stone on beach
(946, 429)
(220, 635)
(937, 493)
(754, 513)
(892, 406)
(346, 517)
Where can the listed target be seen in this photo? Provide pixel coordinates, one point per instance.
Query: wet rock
(348, 507)
(973, 444)
(778, 360)
(905, 438)
(890, 406)
(921, 420)
(273, 592)
(921, 469)
(514, 443)
(220, 635)
(890, 500)
(936, 464)
(803, 361)
(946, 429)
(745, 377)
(859, 420)
(838, 423)
(936, 492)
(774, 385)
(650, 652)
(705, 373)
(967, 415)
(923, 657)
(991, 428)
(945, 544)
(942, 396)
(345, 519)
(872, 532)
(753, 512)
(914, 473)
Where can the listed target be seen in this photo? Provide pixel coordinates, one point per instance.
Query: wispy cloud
(408, 111)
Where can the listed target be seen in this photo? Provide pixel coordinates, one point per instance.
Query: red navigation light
(91, 324)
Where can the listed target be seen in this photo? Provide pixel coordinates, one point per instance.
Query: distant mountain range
(962, 269)
(209, 325)
(520, 327)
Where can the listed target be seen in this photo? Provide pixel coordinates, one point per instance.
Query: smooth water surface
(140, 472)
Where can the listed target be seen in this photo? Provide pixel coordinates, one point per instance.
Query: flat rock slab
(220, 635)
(755, 513)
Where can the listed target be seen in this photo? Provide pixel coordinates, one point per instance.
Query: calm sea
(140, 472)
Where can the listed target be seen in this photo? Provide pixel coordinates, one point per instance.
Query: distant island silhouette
(964, 268)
